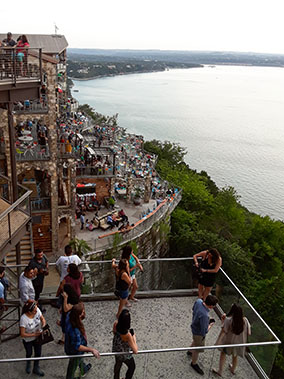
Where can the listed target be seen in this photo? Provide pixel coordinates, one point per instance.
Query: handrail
(246, 300)
(189, 348)
(15, 204)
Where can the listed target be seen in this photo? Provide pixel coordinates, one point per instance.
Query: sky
(223, 25)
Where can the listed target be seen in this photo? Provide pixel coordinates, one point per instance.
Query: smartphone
(211, 320)
(131, 331)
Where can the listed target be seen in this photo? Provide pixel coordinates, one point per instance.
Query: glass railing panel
(227, 295)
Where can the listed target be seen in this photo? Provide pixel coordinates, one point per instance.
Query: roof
(50, 43)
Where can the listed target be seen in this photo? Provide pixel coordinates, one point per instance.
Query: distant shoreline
(132, 73)
(176, 68)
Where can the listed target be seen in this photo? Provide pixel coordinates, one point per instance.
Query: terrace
(19, 75)
(161, 321)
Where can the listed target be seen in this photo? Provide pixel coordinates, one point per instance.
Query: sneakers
(38, 371)
(197, 368)
(28, 367)
(87, 368)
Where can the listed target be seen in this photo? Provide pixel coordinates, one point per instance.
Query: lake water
(229, 118)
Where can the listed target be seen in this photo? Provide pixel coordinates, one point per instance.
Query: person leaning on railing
(22, 56)
(235, 330)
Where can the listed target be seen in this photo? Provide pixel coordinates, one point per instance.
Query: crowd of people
(235, 327)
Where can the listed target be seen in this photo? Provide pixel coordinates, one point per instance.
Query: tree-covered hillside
(252, 246)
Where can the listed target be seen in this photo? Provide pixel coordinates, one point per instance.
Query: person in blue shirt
(200, 326)
(76, 342)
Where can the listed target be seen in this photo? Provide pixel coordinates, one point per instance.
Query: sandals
(231, 369)
(216, 372)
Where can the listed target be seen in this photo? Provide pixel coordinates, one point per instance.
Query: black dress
(207, 279)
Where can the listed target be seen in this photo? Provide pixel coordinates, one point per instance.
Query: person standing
(39, 262)
(8, 42)
(76, 342)
(82, 220)
(74, 278)
(124, 340)
(63, 262)
(200, 326)
(123, 282)
(133, 261)
(210, 265)
(31, 324)
(235, 330)
(27, 291)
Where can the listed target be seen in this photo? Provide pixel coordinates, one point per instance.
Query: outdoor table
(25, 139)
(26, 132)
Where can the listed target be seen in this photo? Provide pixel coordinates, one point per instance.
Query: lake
(229, 118)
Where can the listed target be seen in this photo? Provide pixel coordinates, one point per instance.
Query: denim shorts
(123, 294)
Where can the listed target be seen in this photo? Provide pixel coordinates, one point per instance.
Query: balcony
(13, 216)
(20, 75)
(95, 171)
(38, 106)
(161, 321)
(40, 204)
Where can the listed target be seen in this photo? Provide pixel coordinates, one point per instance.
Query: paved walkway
(158, 323)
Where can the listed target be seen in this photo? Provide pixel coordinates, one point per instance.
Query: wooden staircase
(26, 247)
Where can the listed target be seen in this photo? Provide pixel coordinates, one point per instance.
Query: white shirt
(31, 325)
(1, 291)
(26, 288)
(63, 262)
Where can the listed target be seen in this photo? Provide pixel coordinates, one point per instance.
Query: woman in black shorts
(210, 265)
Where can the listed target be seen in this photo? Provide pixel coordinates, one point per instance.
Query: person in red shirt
(22, 56)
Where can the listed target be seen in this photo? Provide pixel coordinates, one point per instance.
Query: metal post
(12, 152)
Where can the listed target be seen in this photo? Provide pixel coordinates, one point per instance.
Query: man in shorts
(200, 326)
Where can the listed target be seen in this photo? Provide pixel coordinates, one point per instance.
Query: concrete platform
(158, 323)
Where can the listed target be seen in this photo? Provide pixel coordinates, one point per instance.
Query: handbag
(45, 336)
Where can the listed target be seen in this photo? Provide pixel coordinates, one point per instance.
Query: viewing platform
(161, 320)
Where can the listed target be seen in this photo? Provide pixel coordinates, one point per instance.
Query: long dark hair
(122, 266)
(73, 271)
(24, 39)
(236, 312)
(126, 252)
(73, 298)
(215, 255)
(75, 319)
(124, 321)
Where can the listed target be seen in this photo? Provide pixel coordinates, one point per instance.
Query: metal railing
(32, 106)
(67, 150)
(95, 171)
(32, 152)
(16, 214)
(20, 64)
(40, 204)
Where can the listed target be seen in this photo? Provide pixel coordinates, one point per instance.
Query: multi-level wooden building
(30, 107)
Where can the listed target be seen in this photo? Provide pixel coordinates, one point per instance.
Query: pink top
(75, 283)
(22, 44)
